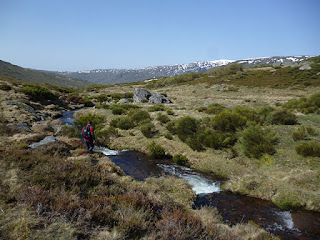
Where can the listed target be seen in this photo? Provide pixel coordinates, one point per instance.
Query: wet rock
(21, 105)
(22, 126)
(45, 141)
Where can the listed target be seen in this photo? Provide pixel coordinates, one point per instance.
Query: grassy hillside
(8, 70)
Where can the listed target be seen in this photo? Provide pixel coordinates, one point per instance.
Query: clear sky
(71, 35)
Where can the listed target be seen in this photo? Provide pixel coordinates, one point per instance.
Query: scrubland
(256, 128)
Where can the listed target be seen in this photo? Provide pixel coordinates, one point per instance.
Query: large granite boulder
(143, 95)
(123, 100)
(158, 99)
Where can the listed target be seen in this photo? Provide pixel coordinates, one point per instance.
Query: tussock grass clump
(308, 149)
(104, 136)
(257, 141)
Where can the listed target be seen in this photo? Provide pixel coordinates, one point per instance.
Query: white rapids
(198, 183)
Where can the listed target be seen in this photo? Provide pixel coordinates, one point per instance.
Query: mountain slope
(36, 76)
(113, 76)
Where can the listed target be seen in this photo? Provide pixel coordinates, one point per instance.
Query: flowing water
(233, 208)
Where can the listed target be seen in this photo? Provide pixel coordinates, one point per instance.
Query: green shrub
(70, 131)
(87, 102)
(38, 93)
(102, 98)
(228, 121)
(170, 111)
(103, 137)
(97, 121)
(156, 151)
(215, 108)
(305, 105)
(138, 116)
(283, 117)
(118, 110)
(163, 118)
(168, 136)
(249, 113)
(216, 139)
(257, 141)
(186, 127)
(308, 149)
(125, 123)
(156, 108)
(180, 159)
(148, 129)
(265, 111)
(5, 87)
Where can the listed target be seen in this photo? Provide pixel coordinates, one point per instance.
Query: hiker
(88, 136)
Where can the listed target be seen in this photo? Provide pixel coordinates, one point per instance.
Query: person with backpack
(88, 136)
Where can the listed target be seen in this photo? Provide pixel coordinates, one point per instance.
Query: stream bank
(232, 207)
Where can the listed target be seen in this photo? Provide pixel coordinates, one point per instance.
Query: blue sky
(76, 35)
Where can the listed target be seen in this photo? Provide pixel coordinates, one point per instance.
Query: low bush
(163, 118)
(125, 123)
(5, 87)
(264, 112)
(308, 149)
(170, 111)
(180, 159)
(118, 110)
(102, 98)
(257, 141)
(139, 116)
(216, 139)
(97, 121)
(228, 121)
(70, 131)
(38, 93)
(103, 137)
(156, 151)
(214, 108)
(168, 136)
(283, 117)
(305, 105)
(148, 129)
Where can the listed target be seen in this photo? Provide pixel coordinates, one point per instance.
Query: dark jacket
(92, 133)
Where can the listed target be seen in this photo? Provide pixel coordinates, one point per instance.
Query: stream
(291, 224)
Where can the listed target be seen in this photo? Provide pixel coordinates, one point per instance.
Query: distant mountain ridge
(115, 76)
(38, 76)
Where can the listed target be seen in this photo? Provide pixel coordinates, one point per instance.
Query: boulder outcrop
(143, 95)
